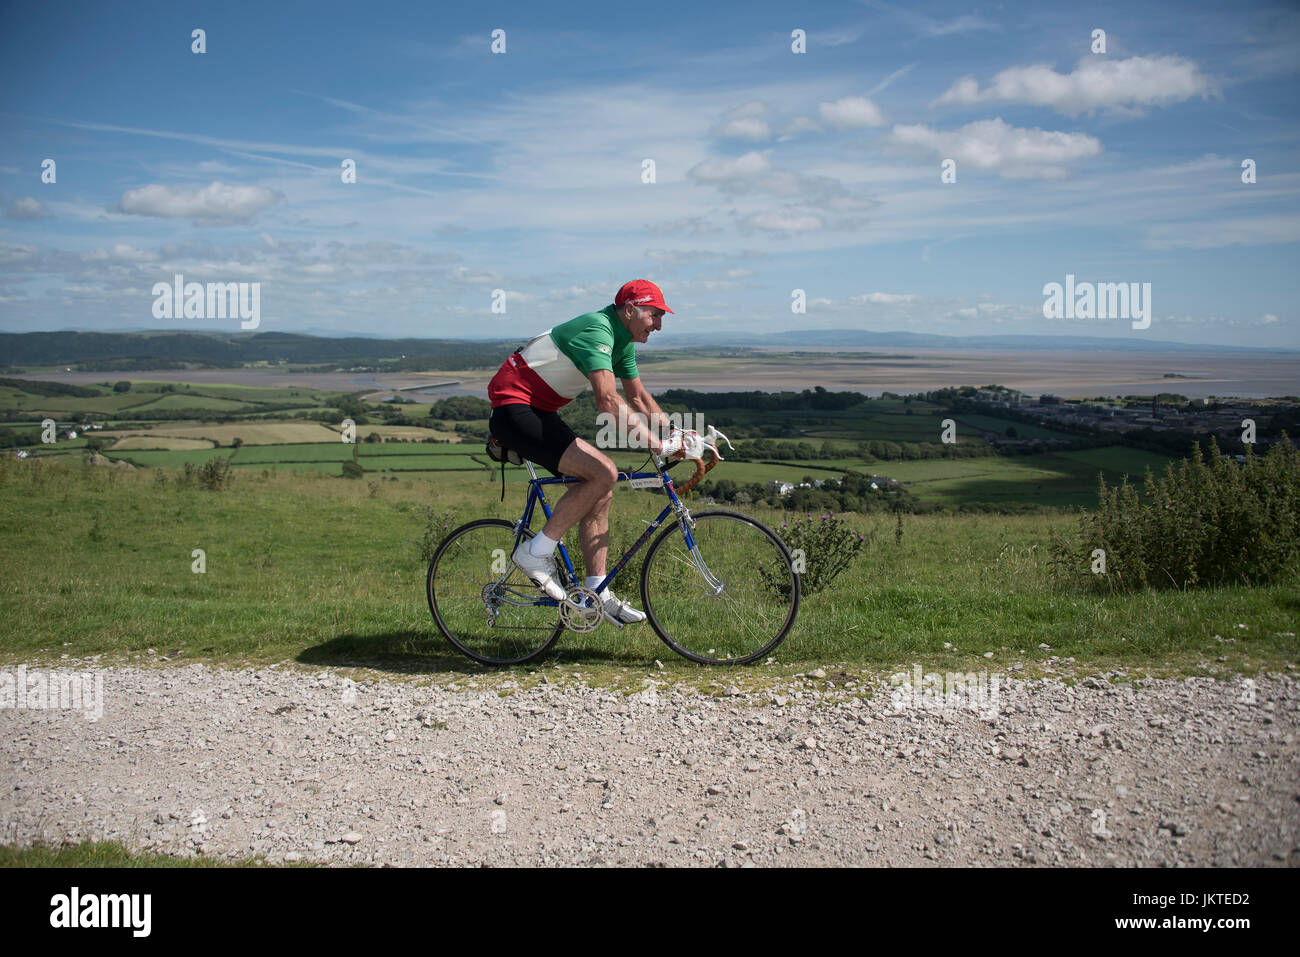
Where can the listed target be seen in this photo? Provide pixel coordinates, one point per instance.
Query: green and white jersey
(552, 369)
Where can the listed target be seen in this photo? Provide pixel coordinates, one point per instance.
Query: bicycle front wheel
(486, 607)
(729, 600)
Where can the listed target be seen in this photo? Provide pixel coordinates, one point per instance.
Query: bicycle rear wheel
(494, 620)
(740, 615)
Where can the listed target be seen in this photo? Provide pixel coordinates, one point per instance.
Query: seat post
(529, 465)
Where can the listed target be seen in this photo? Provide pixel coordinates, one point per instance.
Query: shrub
(216, 474)
(824, 546)
(1215, 523)
(436, 528)
(352, 469)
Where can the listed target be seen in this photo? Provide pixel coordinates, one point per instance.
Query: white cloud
(26, 208)
(1016, 153)
(215, 203)
(679, 257)
(851, 112)
(783, 221)
(746, 122)
(121, 252)
(726, 173)
(1267, 319)
(800, 124)
(690, 225)
(1243, 231)
(1096, 84)
(883, 298)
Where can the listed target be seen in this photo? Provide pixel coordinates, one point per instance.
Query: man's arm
(642, 401)
(610, 402)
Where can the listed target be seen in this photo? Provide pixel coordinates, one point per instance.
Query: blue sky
(774, 171)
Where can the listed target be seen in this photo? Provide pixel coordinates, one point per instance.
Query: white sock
(541, 546)
(593, 581)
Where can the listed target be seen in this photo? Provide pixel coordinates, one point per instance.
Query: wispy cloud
(927, 26)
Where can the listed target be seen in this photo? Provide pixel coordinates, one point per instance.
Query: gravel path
(307, 765)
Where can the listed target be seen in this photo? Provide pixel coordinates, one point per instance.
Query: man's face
(642, 321)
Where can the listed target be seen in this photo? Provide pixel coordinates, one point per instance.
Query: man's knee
(602, 472)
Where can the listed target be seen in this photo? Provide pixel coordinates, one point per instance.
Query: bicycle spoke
(751, 614)
(466, 566)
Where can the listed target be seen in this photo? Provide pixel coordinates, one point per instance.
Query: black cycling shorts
(541, 437)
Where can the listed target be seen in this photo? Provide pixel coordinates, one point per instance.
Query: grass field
(988, 423)
(1054, 479)
(253, 433)
(158, 442)
(186, 400)
(1062, 479)
(323, 571)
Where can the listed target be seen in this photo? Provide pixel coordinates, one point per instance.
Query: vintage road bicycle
(717, 586)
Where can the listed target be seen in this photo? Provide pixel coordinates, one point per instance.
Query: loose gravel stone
(1112, 771)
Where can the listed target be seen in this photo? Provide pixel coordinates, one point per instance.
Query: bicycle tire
(460, 571)
(756, 608)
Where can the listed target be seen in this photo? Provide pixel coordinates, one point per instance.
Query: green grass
(113, 854)
(162, 458)
(368, 449)
(989, 423)
(319, 571)
(1053, 479)
(421, 462)
(299, 452)
(191, 400)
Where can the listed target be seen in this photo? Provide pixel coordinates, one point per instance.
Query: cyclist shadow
(400, 652)
(414, 652)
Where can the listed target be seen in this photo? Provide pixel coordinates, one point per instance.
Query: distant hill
(106, 351)
(232, 350)
(863, 339)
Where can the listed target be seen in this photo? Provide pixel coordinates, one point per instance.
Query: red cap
(641, 292)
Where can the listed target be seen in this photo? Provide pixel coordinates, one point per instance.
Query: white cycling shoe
(540, 570)
(620, 611)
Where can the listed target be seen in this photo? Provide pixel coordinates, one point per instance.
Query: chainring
(583, 611)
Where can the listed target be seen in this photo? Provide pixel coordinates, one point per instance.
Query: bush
(352, 469)
(436, 528)
(216, 474)
(1220, 523)
(824, 547)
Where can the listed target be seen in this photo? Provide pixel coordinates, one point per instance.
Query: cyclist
(547, 374)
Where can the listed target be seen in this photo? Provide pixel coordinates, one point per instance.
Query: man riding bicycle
(547, 374)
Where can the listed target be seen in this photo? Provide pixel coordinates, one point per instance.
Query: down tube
(636, 546)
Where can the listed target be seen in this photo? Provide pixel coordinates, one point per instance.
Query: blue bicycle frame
(674, 507)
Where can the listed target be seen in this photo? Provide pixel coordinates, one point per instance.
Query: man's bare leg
(593, 533)
(586, 502)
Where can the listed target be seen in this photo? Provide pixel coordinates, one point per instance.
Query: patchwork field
(253, 433)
